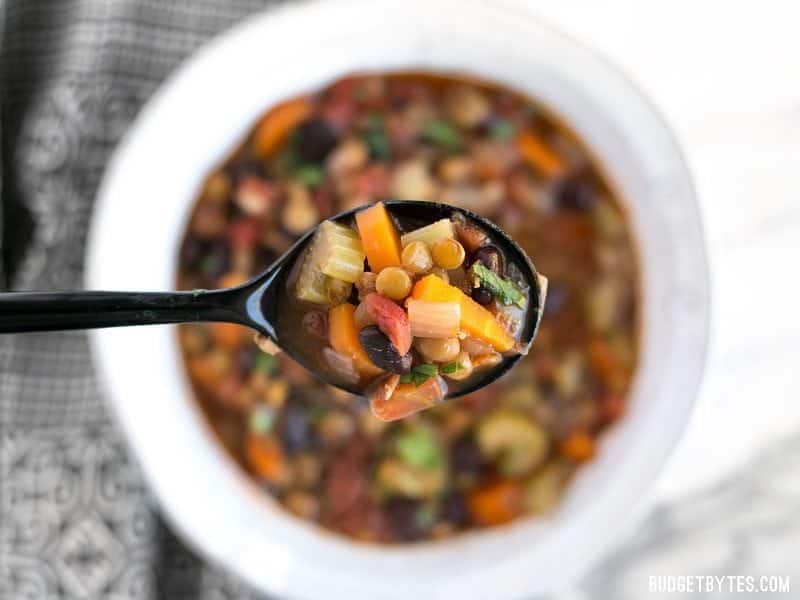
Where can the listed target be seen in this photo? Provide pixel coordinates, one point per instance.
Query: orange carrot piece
(343, 335)
(496, 503)
(539, 156)
(379, 237)
(206, 371)
(265, 456)
(579, 446)
(408, 399)
(276, 125)
(229, 335)
(475, 319)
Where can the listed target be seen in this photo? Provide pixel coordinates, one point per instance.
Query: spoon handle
(54, 311)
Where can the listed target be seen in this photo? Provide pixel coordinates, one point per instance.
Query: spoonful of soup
(405, 302)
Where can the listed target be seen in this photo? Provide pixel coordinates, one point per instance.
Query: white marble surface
(727, 77)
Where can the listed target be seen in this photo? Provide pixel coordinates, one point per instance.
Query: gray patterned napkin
(75, 519)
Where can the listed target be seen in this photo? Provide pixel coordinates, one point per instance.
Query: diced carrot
(274, 128)
(579, 446)
(475, 319)
(379, 237)
(495, 503)
(434, 289)
(229, 335)
(209, 369)
(539, 156)
(606, 364)
(265, 456)
(391, 319)
(233, 279)
(343, 335)
(408, 398)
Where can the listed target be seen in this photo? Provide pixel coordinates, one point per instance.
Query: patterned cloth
(75, 519)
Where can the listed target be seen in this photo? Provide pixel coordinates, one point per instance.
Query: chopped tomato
(392, 321)
(243, 234)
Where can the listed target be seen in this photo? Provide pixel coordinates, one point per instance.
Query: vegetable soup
(492, 456)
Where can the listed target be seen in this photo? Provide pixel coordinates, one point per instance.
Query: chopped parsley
(505, 290)
(418, 448)
(451, 368)
(261, 420)
(442, 134)
(420, 374)
(309, 175)
(265, 363)
(376, 139)
(501, 129)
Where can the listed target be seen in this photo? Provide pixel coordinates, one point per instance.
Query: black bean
(192, 252)
(465, 457)
(297, 431)
(315, 140)
(490, 257)
(406, 519)
(575, 193)
(454, 509)
(482, 296)
(216, 261)
(246, 358)
(382, 352)
(244, 167)
(556, 299)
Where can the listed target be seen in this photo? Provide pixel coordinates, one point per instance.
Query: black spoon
(255, 302)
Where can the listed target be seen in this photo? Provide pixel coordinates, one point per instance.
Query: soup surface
(505, 451)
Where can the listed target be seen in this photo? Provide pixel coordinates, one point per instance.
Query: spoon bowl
(255, 302)
(262, 302)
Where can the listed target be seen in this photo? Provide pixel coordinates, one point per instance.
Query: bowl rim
(286, 580)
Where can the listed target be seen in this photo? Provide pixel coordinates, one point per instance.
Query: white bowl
(192, 123)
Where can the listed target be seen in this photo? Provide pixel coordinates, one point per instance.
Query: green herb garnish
(309, 175)
(265, 363)
(426, 516)
(442, 134)
(212, 265)
(451, 368)
(261, 420)
(417, 447)
(376, 139)
(505, 290)
(288, 161)
(501, 130)
(420, 374)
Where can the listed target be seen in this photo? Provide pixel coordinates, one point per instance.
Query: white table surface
(727, 77)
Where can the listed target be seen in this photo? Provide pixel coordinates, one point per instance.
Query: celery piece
(312, 282)
(342, 253)
(430, 234)
(335, 252)
(434, 319)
